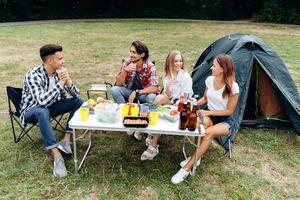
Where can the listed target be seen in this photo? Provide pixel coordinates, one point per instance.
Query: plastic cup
(125, 109)
(153, 118)
(84, 113)
(135, 111)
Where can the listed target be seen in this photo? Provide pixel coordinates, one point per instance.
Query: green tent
(268, 96)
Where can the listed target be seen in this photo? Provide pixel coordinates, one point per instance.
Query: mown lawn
(265, 163)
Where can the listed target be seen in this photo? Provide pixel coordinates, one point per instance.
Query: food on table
(173, 112)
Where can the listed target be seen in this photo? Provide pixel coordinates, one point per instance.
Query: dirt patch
(146, 193)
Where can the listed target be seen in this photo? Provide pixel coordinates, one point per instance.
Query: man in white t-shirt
(44, 97)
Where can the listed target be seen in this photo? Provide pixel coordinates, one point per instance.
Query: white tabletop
(163, 126)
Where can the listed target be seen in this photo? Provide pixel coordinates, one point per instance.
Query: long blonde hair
(169, 64)
(226, 63)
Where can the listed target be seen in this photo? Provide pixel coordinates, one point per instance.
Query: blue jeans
(42, 115)
(120, 94)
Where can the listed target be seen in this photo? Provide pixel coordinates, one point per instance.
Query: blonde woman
(176, 82)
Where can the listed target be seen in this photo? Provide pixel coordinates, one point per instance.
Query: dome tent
(268, 96)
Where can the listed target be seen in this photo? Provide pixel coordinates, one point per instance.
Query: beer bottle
(180, 104)
(193, 119)
(188, 109)
(183, 117)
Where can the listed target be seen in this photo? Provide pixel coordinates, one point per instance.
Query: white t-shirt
(51, 83)
(183, 84)
(215, 100)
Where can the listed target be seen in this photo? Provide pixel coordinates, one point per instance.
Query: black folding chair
(14, 98)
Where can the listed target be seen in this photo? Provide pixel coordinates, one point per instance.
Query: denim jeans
(42, 115)
(120, 94)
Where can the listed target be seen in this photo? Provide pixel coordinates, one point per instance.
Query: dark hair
(140, 48)
(226, 62)
(49, 49)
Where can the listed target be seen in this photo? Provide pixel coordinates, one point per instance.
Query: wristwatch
(137, 92)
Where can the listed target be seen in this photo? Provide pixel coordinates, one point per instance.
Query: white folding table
(163, 127)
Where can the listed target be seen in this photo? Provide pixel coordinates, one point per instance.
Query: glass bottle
(180, 104)
(193, 119)
(183, 117)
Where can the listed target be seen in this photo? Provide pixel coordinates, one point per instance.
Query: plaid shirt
(36, 90)
(147, 75)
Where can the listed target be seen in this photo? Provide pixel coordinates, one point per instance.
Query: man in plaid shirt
(44, 97)
(137, 79)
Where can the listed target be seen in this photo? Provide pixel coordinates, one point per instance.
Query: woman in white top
(221, 96)
(176, 82)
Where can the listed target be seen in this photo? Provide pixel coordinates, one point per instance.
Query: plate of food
(168, 112)
(137, 122)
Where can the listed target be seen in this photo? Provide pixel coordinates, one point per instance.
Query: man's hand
(130, 67)
(131, 97)
(64, 76)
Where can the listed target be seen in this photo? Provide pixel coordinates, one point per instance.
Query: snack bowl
(107, 112)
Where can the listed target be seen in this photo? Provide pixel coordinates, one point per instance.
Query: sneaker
(148, 140)
(179, 176)
(130, 132)
(150, 153)
(59, 168)
(137, 135)
(184, 162)
(65, 146)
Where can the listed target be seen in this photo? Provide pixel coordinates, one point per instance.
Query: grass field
(265, 163)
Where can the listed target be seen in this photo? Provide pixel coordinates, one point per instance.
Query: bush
(280, 11)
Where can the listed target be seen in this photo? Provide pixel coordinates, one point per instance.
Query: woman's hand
(171, 82)
(203, 113)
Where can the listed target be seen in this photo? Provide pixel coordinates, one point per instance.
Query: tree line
(277, 11)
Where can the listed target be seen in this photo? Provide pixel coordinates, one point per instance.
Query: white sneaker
(130, 132)
(148, 140)
(184, 162)
(137, 135)
(150, 153)
(59, 168)
(179, 176)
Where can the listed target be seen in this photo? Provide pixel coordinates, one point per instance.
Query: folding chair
(14, 98)
(226, 143)
(97, 88)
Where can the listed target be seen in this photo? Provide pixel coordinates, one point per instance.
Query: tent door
(262, 101)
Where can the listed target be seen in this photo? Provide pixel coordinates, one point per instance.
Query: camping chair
(226, 143)
(14, 97)
(97, 88)
(102, 87)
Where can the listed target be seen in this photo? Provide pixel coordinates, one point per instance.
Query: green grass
(265, 164)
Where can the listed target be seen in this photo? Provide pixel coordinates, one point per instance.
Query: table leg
(87, 150)
(75, 152)
(193, 172)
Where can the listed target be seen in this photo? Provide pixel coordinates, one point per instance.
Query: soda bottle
(183, 117)
(180, 104)
(193, 119)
